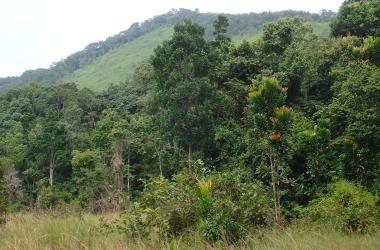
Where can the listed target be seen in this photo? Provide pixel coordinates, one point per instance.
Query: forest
(212, 143)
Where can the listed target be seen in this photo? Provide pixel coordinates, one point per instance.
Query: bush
(48, 197)
(91, 179)
(176, 200)
(233, 204)
(217, 205)
(346, 207)
(4, 202)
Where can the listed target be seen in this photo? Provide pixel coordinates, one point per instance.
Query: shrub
(137, 222)
(234, 204)
(90, 177)
(48, 197)
(3, 202)
(217, 205)
(346, 207)
(176, 200)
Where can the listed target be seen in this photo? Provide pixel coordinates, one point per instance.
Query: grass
(118, 65)
(53, 231)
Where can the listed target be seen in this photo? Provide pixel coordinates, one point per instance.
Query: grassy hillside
(113, 60)
(119, 64)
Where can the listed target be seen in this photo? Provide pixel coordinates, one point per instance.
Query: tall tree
(357, 17)
(355, 122)
(267, 121)
(182, 95)
(51, 144)
(220, 29)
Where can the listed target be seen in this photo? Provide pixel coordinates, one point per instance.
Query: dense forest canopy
(210, 135)
(241, 25)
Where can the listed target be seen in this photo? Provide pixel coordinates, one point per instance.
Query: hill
(113, 60)
(119, 64)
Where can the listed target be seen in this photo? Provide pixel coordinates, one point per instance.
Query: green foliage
(46, 198)
(354, 116)
(219, 205)
(370, 50)
(279, 35)
(290, 113)
(357, 17)
(315, 164)
(90, 178)
(228, 202)
(51, 146)
(346, 207)
(4, 202)
(220, 29)
(184, 102)
(268, 123)
(266, 96)
(305, 66)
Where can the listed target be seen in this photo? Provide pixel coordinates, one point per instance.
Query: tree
(182, 97)
(245, 62)
(220, 29)
(110, 139)
(355, 122)
(358, 18)
(127, 136)
(13, 145)
(51, 144)
(305, 68)
(91, 179)
(314, 163)
(277, 36)
(267, 122)
(120, 137)
(370, 50)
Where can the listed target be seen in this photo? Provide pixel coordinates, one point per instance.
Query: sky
(36, 33)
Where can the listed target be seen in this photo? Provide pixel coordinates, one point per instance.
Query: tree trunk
(160, 162)
(51, 170)
(275, 184)
(189, 156)
(118, 177)
(129, 171)
(118, 162)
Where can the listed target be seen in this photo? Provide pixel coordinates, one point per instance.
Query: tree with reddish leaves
(267, 120)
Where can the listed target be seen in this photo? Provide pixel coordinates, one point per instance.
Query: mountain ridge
(241, 26)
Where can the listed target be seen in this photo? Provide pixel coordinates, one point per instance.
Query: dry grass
(26, 231)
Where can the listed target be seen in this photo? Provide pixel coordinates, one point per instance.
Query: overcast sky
(36, 33)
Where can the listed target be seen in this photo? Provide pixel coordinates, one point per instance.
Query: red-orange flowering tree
(268, 121)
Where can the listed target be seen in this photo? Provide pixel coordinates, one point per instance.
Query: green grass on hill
(119, 64)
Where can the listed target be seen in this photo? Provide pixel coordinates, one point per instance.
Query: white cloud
(35, 33)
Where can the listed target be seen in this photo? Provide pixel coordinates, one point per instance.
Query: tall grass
(56, 231)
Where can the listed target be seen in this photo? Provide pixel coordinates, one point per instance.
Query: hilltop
(113, 60)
